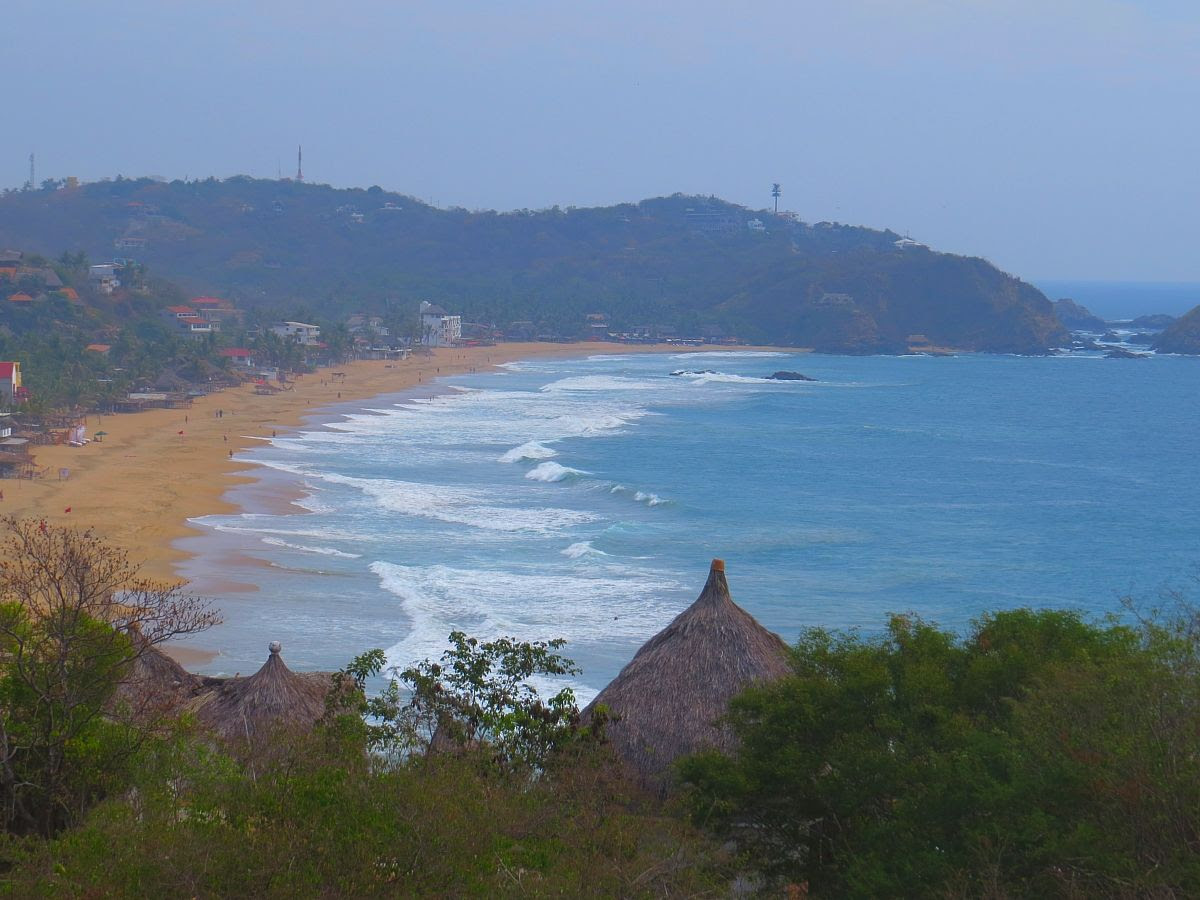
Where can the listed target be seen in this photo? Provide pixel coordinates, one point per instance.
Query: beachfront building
(300, 332)
(438, 327)
(238, 356)
(11, 391)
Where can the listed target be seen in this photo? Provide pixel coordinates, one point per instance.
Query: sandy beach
(156, 469)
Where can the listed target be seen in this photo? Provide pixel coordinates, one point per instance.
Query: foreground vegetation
(1038, 755)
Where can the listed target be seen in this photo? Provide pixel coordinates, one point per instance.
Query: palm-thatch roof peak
(247, 711)
(667, 702)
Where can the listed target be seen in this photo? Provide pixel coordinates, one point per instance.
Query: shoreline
(158, 469)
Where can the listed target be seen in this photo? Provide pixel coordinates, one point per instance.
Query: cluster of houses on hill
(26, 281)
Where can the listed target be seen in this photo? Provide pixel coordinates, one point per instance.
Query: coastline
(155, 470)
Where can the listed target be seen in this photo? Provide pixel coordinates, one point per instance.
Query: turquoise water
(584, 499)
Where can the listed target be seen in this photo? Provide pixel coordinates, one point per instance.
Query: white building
(438, 327)
(300, 332)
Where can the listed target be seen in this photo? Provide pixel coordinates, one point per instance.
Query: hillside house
(215, 310)
(300, 332)
(438, 327)
(359, 323)
(104, 277)
(184, 318)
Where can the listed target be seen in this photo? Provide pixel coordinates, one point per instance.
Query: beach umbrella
(248, 712)
(101, 435)
(667, 701)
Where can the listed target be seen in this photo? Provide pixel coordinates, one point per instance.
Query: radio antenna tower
(32, 182)
(299, 163)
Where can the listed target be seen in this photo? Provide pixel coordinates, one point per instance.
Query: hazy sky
(1058, 138)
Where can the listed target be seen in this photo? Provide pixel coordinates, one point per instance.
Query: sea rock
(790, 376)
(693, 372)
(1118, 353)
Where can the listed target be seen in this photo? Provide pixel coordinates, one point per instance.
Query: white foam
(462, 506)
(528, 450)
(649, 499)
(553, 472)
(726, 378)
(323, 551)
(719, 354)
(492, 603)
(581, 549)
(601, 383)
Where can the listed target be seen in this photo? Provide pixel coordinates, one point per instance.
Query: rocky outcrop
(1183, 336)
(1077, 317)
(789, 376)
(1155, 322)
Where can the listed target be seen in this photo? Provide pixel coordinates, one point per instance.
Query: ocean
(1116, 300)
(584, 499)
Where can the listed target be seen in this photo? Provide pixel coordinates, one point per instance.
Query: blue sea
(584, 499)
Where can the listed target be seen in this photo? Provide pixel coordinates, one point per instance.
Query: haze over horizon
(1052, 139)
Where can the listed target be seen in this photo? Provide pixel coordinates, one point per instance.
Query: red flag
(181, 432)
(67, 510)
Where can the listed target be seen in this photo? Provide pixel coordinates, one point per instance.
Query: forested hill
(688, 266)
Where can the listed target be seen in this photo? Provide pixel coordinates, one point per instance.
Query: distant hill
(682, 266)
(1182, 335)
(1077, 317)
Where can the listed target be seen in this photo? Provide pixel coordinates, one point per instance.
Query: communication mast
(32, 182)
(299, 163)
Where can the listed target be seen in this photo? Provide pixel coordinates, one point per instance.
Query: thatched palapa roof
(248, 711)
(666, 702)
(155, 685)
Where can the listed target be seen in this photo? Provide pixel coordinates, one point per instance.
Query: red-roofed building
(19, 298)
(215, 310)
(102, 349)
(239, 356)
(10, 382)
(178, 312)
(195, 326)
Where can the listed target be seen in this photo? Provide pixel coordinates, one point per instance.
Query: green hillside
(688, 266)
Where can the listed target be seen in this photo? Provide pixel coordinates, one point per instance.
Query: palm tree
(775, 192)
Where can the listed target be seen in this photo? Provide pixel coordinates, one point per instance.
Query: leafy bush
(1040, 755)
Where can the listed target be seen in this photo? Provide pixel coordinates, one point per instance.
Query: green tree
(75, 616)
(478, 696)
(905, 764)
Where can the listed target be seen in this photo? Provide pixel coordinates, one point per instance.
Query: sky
(1057, 138)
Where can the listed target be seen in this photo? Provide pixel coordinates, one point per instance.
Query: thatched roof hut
(155, 686)
(248, 711)
(666, 702)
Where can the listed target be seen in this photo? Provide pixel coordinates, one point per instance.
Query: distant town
(203, 344)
